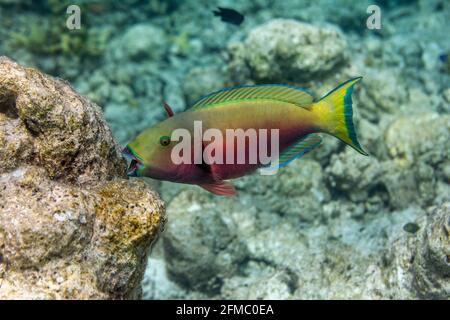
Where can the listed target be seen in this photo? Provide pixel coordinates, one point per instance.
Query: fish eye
(164, 141)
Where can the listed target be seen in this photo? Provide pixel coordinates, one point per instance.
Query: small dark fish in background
(229, 15)
(443, 57)
(411, 227)
(445, 62)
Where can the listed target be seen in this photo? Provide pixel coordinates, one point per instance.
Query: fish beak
(133, 164)
(133, 168)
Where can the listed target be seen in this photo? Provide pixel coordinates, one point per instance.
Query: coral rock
(71, 224)
(200, 248)
(416, 266)
(418, 146)
(287, 49)
(142, 41)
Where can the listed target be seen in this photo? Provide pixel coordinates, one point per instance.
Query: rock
(296, 250)
(72, 226)
(46, 123)
(156, 284)
(381, 94)
(418, 147)
(141, 41)
(358, 179)
(355, 175)
(201, 245)
(417, 265)
(285, 49)
(411, 172)
(300, 184)
(276, 285)
(414, 139)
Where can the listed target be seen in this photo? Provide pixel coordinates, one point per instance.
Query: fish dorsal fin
(275, 92)
(168, 109)
(299, 148)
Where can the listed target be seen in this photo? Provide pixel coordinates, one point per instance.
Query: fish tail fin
(335, 114)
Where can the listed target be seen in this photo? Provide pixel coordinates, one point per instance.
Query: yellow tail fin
(335, 114)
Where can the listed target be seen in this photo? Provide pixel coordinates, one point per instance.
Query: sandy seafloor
(332, 224)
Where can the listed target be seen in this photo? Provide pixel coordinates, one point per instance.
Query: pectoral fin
(211, 169)
(217, 186)
(220, 188)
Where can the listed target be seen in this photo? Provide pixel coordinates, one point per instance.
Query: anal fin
(299, 149)
(217, 186)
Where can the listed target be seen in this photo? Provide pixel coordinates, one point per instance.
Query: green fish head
(149, 155)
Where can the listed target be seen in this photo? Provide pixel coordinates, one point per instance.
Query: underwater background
(333, 224)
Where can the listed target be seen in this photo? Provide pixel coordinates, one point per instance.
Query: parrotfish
(292, 112)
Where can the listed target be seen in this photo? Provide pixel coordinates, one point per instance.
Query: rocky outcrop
(71, 224)
(287, 49)
(417, 266)
(201, 249)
